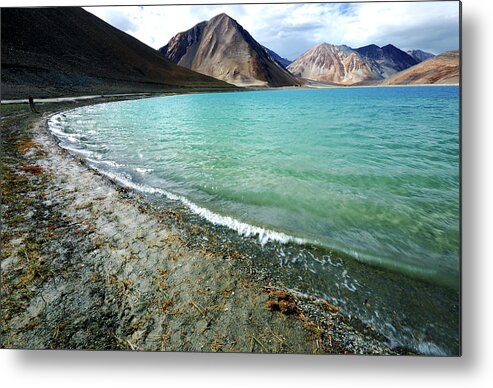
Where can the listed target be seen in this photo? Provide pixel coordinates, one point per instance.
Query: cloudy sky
(291, 29)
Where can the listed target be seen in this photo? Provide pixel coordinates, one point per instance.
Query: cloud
(120, 20)
(291, 29)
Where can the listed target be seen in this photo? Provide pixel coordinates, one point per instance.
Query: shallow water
(346, 176)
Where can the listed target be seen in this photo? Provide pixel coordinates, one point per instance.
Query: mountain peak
(331, 63)
(331, 46)
(386, 60)
(372, 47)
(343, 65)
(223, 49)
(389, 46)
(370, 51)
(222, 17)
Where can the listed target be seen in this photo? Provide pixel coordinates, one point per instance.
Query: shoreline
(160, 281)
(116, 97)
(77, 98)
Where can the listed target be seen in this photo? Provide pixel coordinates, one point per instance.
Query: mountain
(442, 69)
(68, 51)
(333, 64)
(420, 55)
(284, 62)
(385, 61)
(223, 49)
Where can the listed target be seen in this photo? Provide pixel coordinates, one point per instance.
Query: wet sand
(87, 264)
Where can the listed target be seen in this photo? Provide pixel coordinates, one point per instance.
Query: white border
(120, 369)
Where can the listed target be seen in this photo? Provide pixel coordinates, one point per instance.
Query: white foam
(430, 349)
(86, 153)
(56, 127)
(243, 229)
(110, 163)
(144, 170)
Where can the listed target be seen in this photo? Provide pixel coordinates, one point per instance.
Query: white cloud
(291, 29)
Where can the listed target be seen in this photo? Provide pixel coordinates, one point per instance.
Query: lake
(355, 190)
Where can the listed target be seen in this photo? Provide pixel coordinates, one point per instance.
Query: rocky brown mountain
(331, 64)
(68, 51)
(223, 49)
(442, 69)
(346, 66)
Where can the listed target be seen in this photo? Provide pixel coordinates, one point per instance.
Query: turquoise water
(369, 172)
(373, 172)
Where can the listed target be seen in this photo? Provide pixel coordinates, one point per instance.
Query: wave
(264, 235)
(242, 228)
(142, 170)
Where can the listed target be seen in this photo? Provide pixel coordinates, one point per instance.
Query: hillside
(223, 49)
(442, 69)
(68, 51)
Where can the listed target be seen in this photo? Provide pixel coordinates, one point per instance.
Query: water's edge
(292, 252)
(264, 234)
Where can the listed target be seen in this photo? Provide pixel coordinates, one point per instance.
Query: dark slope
(284, 62)
(69, 51)
(387, 60)
(420, 55)
(223, 49)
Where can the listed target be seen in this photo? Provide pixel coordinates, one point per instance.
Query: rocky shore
(87, 264)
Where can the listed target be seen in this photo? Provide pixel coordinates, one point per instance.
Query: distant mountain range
(347, 66)
(68, 51)
(223, 49)
(385, 61)
(440, 69)
(332, 64)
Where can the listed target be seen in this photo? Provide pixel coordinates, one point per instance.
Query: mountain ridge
(420, 55)
(69, 51)
(386, 60)
(284, 62)
(338, 64)
(222, 48)
(343, 65)
(441, 69)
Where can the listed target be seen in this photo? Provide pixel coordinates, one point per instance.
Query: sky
(292, 29)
